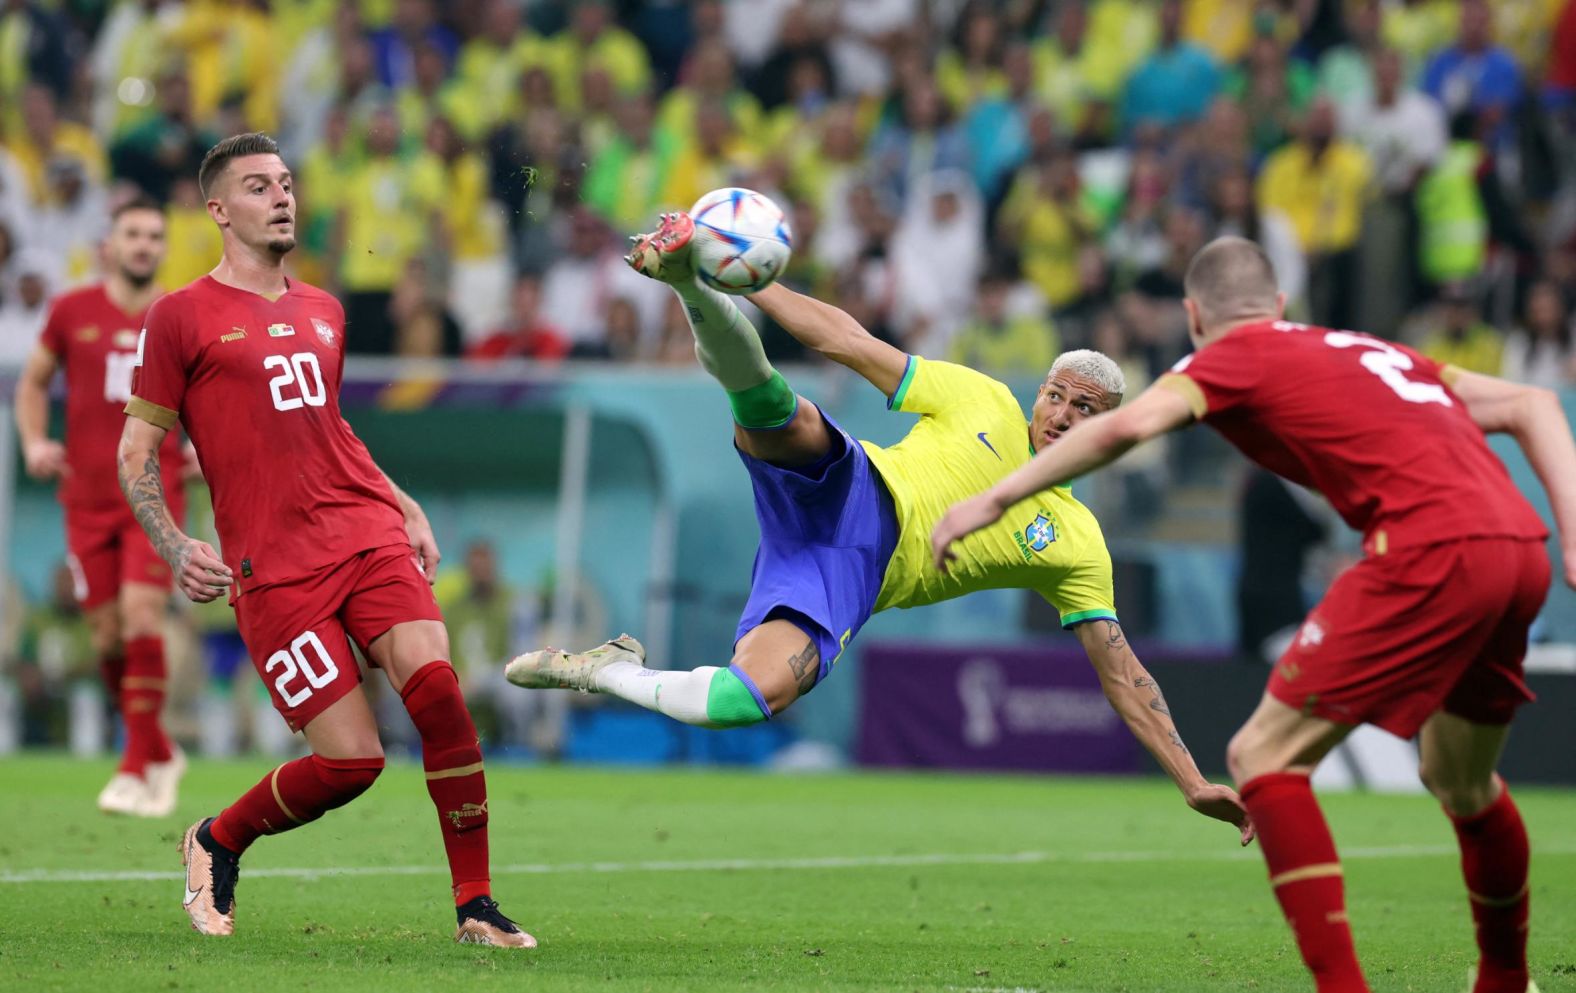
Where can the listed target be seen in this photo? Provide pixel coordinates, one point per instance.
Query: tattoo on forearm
(1113, 635)
(1176, 739)
(1159, 702)
(806, 666)
(145, 492)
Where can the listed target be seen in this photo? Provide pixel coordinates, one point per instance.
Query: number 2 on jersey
(293, 661)
(300, 371)
(1390, 364)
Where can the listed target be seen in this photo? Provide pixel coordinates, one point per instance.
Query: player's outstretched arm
(1137, 699)
(832, 332)
(1534, 417)
(202, 575)
(44, 457)
(1090, 444)
(418, 529)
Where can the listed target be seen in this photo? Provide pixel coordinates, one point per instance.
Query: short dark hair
(1231, 279)
(139, 202)
(234, 147)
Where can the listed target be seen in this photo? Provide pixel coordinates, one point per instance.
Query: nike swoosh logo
(986, 442)
(190, 896)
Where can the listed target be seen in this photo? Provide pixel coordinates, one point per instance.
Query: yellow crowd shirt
(971, 433)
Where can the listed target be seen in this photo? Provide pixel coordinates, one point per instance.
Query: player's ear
(217, 212)
(1195, 327)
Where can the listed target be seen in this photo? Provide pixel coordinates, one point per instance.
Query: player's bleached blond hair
(1097, 367)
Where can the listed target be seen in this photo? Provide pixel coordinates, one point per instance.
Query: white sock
(726, 343)
(678, 693)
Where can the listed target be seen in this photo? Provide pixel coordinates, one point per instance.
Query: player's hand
(1223, 804)
(200, 572)
(424, 544)
(962, 520)
(45, 459)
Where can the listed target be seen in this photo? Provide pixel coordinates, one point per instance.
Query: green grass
(1131, 891)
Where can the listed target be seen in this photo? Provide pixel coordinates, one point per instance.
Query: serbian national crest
(1040, 534)
(325, 331)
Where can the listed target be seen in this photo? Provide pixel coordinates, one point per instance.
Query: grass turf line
(1202, 921)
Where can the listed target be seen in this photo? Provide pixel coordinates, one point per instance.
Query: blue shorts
(828, 531)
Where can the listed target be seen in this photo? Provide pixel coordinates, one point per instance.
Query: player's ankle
(466, 892)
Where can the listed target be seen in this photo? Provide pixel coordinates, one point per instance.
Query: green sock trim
(730, 704)
(769, 405)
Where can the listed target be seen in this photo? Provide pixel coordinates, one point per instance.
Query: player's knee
(1244, 755)
(346, 779)
(1461, 795)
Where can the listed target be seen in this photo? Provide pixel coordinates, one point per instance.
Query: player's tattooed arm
(1159, 702)
(199, 571)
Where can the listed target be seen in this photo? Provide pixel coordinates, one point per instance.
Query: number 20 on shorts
(293, 662)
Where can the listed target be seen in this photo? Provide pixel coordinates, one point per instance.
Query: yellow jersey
(971, 433)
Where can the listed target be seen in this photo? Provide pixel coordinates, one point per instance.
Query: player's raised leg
(1458, 762)
(1271, 758)
(346, 759)
(771, 422)
(415, 655)
(141, 608)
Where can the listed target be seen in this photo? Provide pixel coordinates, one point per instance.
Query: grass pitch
(707, 880)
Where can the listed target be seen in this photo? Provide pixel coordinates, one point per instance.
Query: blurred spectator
(24, 303)
(1000, 343)
(526, 335)
(55, 650)
(194, 241)
(1217, 145)
(938, 252)
(125, 58)
(826, 172)
(709, 79)
(230, 57)
(387, 216)
(593, 39)
(1419, 28)
(576, 289)
(40, 135)
(862, 32)
(1402, 130)
(1346, 72)
(330, 65)
(1078, 68)
(394, 48)
(479, 271)
(627, 175)
(33, 47)
(431, 94)
(1477, 75)
(1175, 83)
(794, 124)
(423, 328)
(490, 65)
(621, 339)
(997, 129)
(1045, 219)
(1078, 318)
(165, 144)
(69, 227)
(924, 139)
(1273, 91)
(1452, 217)
(1137, 242)
(1234, 212)
(800, 49)
(969, 71)
(1453, 333)
(1320, 183)
(711, 159)
(1540, 351)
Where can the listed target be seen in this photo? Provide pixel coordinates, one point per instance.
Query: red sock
(1305, 874)
(1494, 856)
(141, 705)
(294, 794)
(452, 757)
(112, 670)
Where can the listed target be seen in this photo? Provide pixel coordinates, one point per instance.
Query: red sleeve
(158, 382)
(54, 336)
(1219, 377)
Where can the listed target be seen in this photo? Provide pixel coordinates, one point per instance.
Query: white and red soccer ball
(742, 241)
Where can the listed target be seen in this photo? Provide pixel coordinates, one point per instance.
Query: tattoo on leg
(1159, 702)
(806, 666)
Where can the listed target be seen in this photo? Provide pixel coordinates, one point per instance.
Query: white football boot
(551, 669)
(125, 794)
(164, 780)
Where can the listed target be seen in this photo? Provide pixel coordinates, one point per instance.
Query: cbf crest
(325, 331)
(1041, 533)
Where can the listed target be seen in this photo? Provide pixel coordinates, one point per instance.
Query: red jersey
(95, 343)
(1366, 422)
(255, 383)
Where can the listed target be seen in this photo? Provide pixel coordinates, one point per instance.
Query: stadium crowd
(982, 181)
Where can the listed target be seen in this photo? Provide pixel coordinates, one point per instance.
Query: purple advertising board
(1013, 708)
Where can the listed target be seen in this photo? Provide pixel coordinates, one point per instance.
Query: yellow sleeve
(1085, 593)
(932, 387)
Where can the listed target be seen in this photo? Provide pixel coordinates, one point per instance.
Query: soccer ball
(742, 242)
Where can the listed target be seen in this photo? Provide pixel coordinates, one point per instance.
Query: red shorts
(106, 548)
(298, 632)
(1402, 635)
